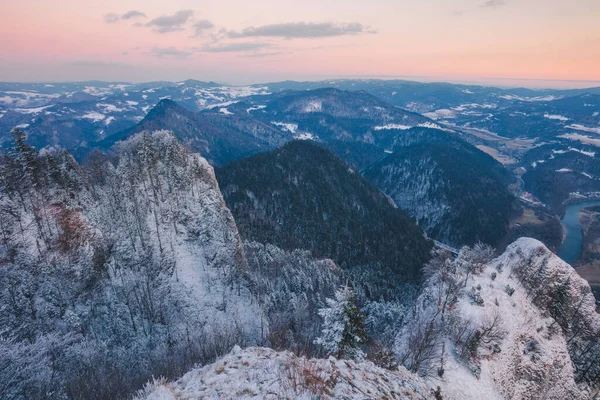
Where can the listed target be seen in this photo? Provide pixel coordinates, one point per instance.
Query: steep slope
(523, 325)
(219, 137)
(290, 287)
(303, 196)
(261, 373)
(555, 171)
(456, 192)
(112, 273)
(353, 124)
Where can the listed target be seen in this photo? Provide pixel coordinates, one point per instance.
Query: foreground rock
(262, 373)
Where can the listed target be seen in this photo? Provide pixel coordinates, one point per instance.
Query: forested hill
(456, 192)
(219, 137)
(303, 196)
(114, 271)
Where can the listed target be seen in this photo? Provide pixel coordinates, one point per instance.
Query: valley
(334, 233)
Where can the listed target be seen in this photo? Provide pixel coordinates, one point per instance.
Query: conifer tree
(343, 326)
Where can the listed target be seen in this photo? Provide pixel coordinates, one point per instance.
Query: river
(571, 248)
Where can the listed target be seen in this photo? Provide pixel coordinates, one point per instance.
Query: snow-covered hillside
(262, 373)
(521, 326)
(116, 270)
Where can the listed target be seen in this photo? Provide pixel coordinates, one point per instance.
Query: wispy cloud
(133, 14)
(201, 26)
(263, 54)
(494, 3)
(169, 52)
(171, 23)
(111, 18)
(235, 47)
(301, 30)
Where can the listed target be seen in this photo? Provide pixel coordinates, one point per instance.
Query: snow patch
(392, 126)
(94, 116)
(556, 117)
(286, 126)
(579, 127)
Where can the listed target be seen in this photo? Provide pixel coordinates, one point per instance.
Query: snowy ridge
(503, 329)
(138, 262)
(262, 373)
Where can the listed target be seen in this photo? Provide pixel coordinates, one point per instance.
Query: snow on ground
(533, 362)
(528, 99)
(21, 126)
(443, 113)
(466, 106)
(392, 126)
(556, 117)
(242, 91)
(109, 120)
(255, 108)
(131, 103)
(286, 126)
(587, 153)
(110, 107)
(581, 138)
(431, 125)
(262, 373)
(224, 110)
(535, 163)
(220, 105)
(579, 127)
(304, 136)
(313, 106)
(586, 175)
(596, 114)
(564, 170)
(95, 91)
(94, 116)
(32, 110)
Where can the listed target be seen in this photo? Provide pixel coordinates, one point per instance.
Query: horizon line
(475, 81)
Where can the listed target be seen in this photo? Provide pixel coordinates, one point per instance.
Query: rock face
(262, 373)
(521, 326)
(137, 263)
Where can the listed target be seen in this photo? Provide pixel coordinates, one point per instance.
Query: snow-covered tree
(343, 326)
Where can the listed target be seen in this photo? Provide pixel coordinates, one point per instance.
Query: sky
(535, 43)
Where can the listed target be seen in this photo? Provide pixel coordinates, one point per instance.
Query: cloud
(201, 26)
(296, 30)
(111, 18)
(95, 64)
(169, 52)
(133, 14)
(494, 3)
(263, 54)
(234, 47)
(171, 23)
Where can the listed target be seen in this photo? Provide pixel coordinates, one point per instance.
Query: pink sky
(529, 42)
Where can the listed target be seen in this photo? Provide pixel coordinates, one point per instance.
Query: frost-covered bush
(343, 329)
(475, 296)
